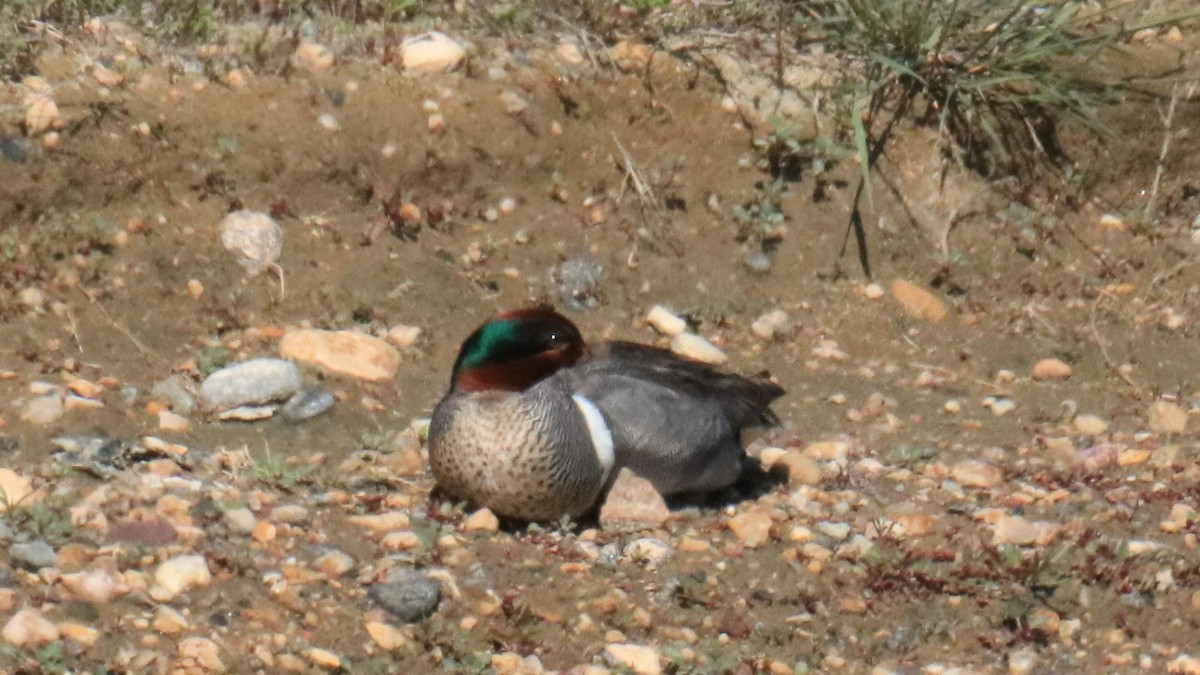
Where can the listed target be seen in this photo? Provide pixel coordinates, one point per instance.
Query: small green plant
(758, 220)
(48, 521)
(277, 472)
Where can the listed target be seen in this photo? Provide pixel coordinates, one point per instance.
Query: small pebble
(28, 627)
(692, 346)
(382, 522)
(403, 336)
(640, 659)
(974, 473)
(182, 573)
(482, 520)
(247, 413)
(15, 488)
(1090, 425)
(43, 410)
(177, 392)
(33, 556)
(665, 322)
(1166, 417)
(387, 636)
(514, 103)
(241, 520)
(169, 621)
(97, 585)
(313, 57)
(648, 550)
(1051, 369)
(169, 421)
(202, 652)
(873, 291)
(323, 658)
(801, 469)
(430, 53)
(254, 238)
(753, 528)
(410, 597)
(578, 280)
(999, 406)
(917, 301)
(835, 531)
(307, 404)
(770, 324)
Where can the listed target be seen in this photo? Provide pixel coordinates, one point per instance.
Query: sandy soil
(944, 505)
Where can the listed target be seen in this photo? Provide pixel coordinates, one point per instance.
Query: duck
(537, 422)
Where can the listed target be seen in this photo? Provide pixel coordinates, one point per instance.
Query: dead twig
(959, 376)
(1101, 345)
(1168, 122)
(632, 177)
(146, 351)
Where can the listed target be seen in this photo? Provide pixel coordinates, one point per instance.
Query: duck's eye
(557, 340)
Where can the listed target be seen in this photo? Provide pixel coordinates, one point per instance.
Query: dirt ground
(906, 419)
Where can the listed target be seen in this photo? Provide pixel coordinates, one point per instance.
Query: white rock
(638, 658)
(665, 322)
(431, 52)
(403, 336)
(1166, 417)
(44, 410)
(247, 413)
(693, 346)
(835, 531)
(974, 473)
(14, 488)
(33, 298)
(97, 585)
(29, 627)
(514, 103)
(1090, 425)
(254, 238)
(182, 573)
(568, 53)
(770, 324)
(169, 621)
(250, 382)
(203, 652)
(241, 520)
(648, 549)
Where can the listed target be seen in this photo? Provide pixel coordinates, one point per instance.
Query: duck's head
(515, 350)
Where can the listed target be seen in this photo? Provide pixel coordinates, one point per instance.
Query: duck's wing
(744, 401)
(674, 421)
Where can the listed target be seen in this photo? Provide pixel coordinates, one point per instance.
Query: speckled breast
(517, 454)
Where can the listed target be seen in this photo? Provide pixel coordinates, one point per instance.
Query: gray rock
(34, 555)
(176, 392)
(578, 281)
(307, 404)
(250, 382)
(410, 597)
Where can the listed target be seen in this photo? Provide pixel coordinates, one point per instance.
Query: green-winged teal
(536, 422)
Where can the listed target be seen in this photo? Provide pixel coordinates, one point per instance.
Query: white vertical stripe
(602, 441)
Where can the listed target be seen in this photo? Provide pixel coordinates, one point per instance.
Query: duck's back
(674, 421)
